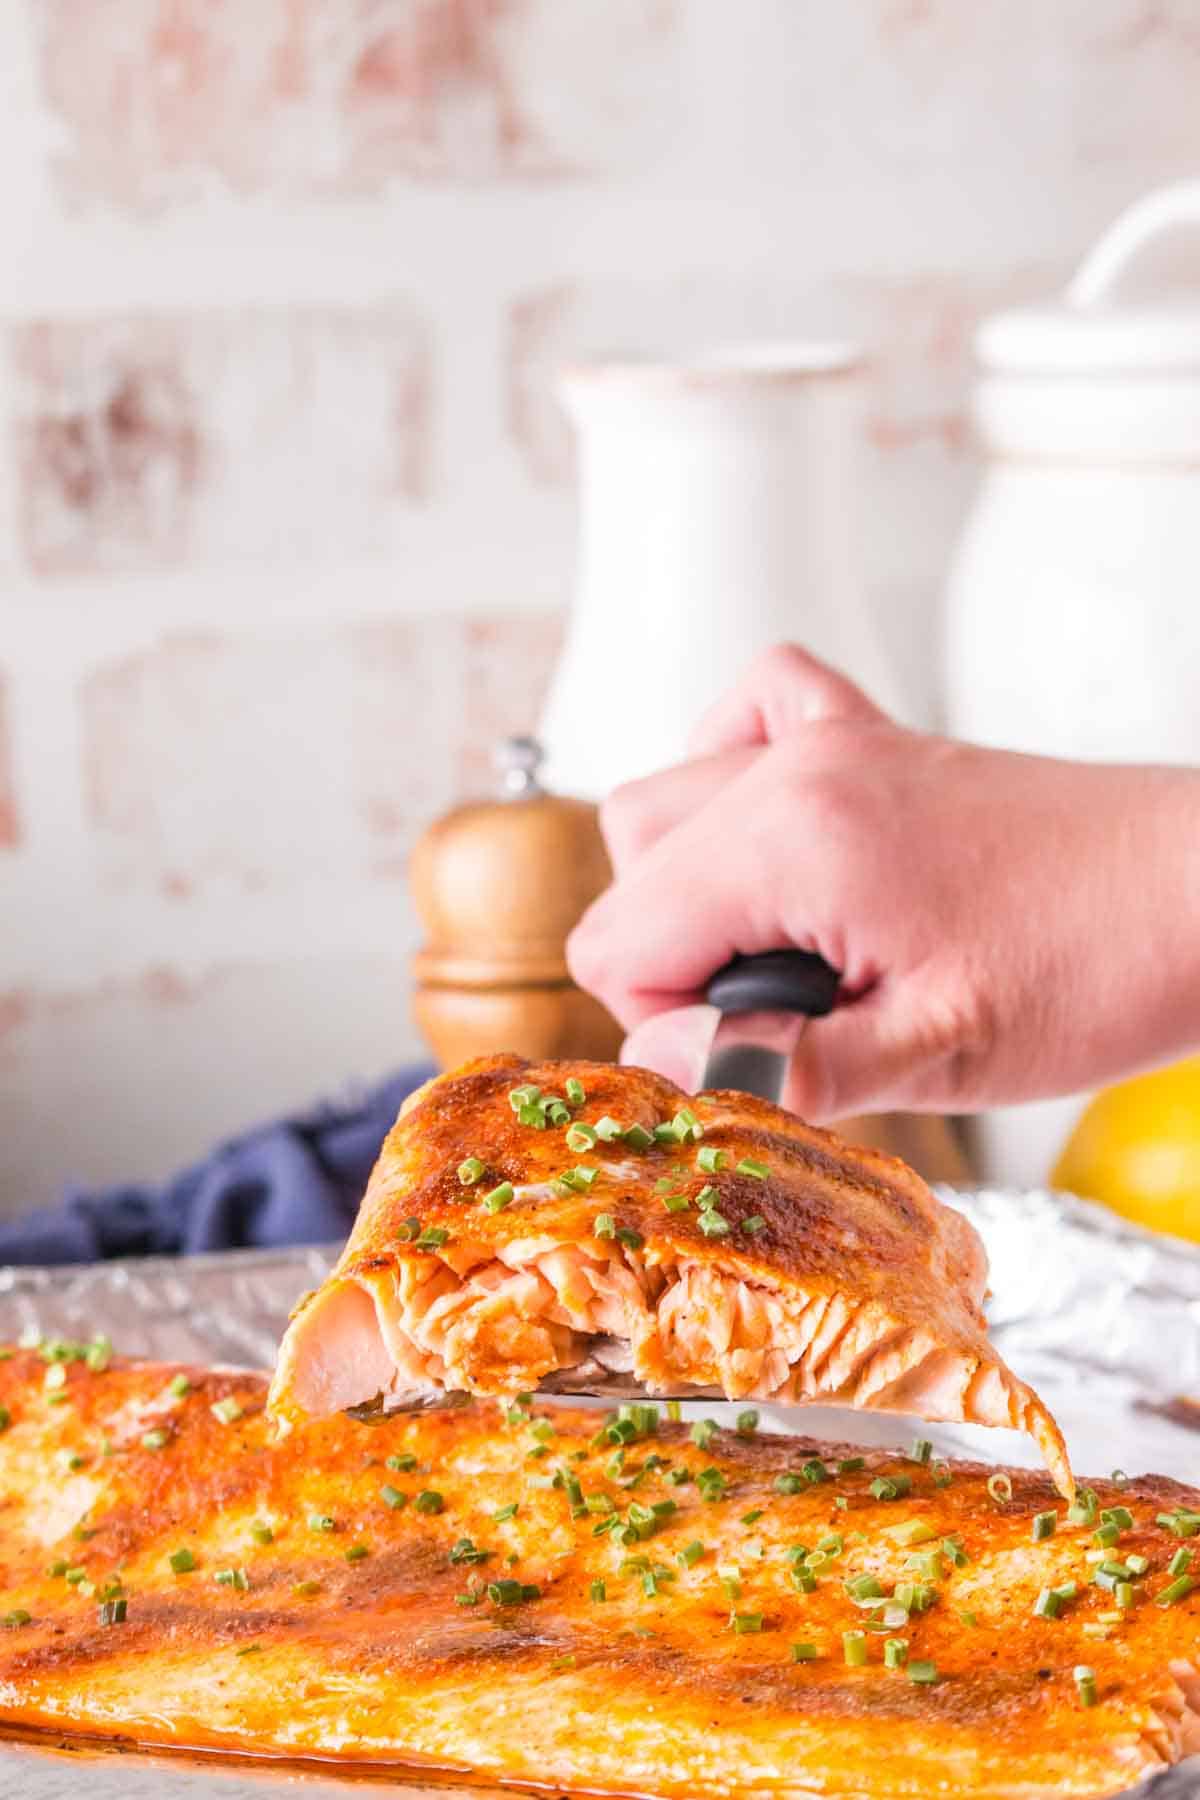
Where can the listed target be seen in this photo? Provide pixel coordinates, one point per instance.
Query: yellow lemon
(1137, 1149)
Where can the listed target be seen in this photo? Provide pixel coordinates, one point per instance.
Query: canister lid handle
(1127, 236)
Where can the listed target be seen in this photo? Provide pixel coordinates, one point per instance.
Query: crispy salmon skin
(600, 1604)
(524, 1219)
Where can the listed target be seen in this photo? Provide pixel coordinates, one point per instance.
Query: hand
(1008, 927)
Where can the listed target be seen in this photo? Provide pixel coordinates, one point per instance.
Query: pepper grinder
(498, 885)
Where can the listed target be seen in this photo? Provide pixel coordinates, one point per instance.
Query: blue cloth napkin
(296, 1181)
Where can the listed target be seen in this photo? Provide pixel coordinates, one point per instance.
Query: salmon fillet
(550, 1596)
(709, 1241)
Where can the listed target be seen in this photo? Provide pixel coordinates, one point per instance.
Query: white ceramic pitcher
(1073, 618)
(717, 516)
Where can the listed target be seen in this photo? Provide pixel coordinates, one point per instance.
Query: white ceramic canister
(1073, 616)
(717, 516)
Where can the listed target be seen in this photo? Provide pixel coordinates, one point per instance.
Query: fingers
(681, 910)
(635, 816)
(783, 690)
(674, 1044)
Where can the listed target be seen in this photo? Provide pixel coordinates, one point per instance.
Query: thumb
(674, 1043)
(860, 1058)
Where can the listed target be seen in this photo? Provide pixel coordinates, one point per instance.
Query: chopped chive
(804, 1653)
(814, 1471)
(1123, 1595)
(261, 1532)
(432, 1238)
(707, 1198)
(1182, 1524)
(1000, 1487)
(909, 1532)
(395, 1497)
(1137, 1565)
(850, 1465)
(787, 1483)
(1085, 1683)
(942, 1473)
(113, 1612)
(632, 1240)
(676, 1203)
(702, 1432)
(1044, 1526)
(895, 1653)
(749, 1166)
(499, 1197)
(710, 1160)
(691, 1553)
(178, 1386)
(511, 1593)
(752, 1517)
(747, 1423)
(227, 1411)
(604, 1226)
(5, 1418)
(428, 1501)
(598, 1591)
(607, 1129)
(854, 1648)
(12, 1620)
(234, 1578)
(470, 1171)
(1106, 1535)
(890, 1487)
(674, 1411)
(1178, 1590)
(154, 1440)
(55, 1377)
(921, 1451)
(75, 1576)
(320, 1522)
(637, 1137)
(1180, 1563)
(575, 1091)
(754, 1224)
(465, 1551)
(1084, 1507)
(863, 1587)
(743, 1623)
(713, 1224)
(924, 1673)
(182, 1561)
(306, 1589)
(1048, 1604)
(506, 1512)
(356, 1553)
(1120, 1516)
(581, 1137)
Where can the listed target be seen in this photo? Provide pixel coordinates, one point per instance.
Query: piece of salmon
(744, 1252)
(587, 1604)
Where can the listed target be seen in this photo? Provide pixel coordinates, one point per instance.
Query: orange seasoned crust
(748, 1253)
(466, 1630)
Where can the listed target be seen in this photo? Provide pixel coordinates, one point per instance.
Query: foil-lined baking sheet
(1101, 1317)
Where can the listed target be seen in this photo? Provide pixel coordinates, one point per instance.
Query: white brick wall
(285, 506)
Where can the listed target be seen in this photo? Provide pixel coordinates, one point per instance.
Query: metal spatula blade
(764, 1003)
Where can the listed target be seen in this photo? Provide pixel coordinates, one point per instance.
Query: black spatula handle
(787, 981)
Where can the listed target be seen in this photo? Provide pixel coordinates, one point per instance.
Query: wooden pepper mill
(498, 885)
